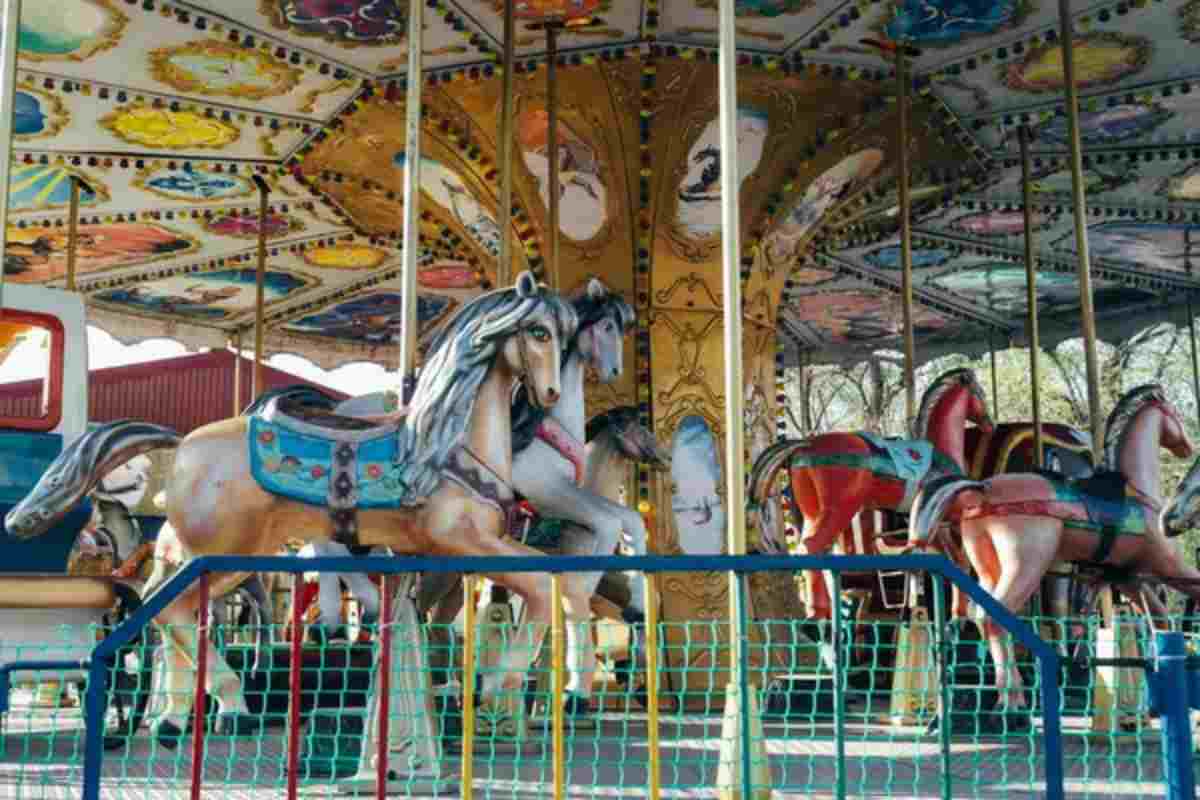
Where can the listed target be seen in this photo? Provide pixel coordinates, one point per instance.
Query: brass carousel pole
(236, 341)
(995, 383)
(1023, 135)
(78, 185)
(1079, 208)
(10, 17)
(504, 147)
(806, 393)
(906, 289)
(260, 278)
(1195, 359)
(412, 193)
(552, 27)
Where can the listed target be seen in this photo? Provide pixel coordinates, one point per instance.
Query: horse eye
(539, 333)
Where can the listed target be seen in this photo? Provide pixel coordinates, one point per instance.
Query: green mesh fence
(892, 672)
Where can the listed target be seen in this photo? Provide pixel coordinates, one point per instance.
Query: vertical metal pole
(558, 655)
(505, 147)
(1079, 208)
(387, 589)
(995, 385)
(1171, 687)
(468, 711)
(295, 657)
(412, 191)
(939, 639)
(743, 673)
(1195, 361)
(10, 18)
(906, 289)
(72, 232)
(1031, 295)
(654, 755)
(237, 373)
(552, 146)
(806, 393)
(260, 279)
(201, 679)
(839, 674)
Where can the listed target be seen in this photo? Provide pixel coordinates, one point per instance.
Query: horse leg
(1024, 548)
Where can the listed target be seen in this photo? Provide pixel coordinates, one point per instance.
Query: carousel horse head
(948, 389)
(1127, 419)
(631, 439)
(604, 319)
(516, 332)
(1183, 512)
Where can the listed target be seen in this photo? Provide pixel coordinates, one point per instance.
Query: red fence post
(385, 674)
(201, 679)
(293, 754)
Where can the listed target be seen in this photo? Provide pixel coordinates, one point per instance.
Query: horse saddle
(1110, 508)
(907, 460)
(317, 456)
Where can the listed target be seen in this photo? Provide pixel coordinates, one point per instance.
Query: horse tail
(933, 502)
(762, 478)
(263, 625)
(79, 468)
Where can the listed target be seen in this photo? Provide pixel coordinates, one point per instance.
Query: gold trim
(108, 37)
(163, 68)
(309, 106)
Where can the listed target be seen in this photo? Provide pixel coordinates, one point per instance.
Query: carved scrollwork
(690, 283)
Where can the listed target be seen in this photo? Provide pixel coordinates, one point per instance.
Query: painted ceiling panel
(1118, 182)
(366, 35)
(764, 25)
(593, 22)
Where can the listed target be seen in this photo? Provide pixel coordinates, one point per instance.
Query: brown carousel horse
(834, 476)
(436, 481)
(1014, 526)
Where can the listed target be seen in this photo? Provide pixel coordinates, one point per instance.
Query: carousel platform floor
(42, 757)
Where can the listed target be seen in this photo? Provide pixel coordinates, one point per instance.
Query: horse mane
(1123, 413)
(459, 360)
(609, 421)
(936, 391)
(590, 310)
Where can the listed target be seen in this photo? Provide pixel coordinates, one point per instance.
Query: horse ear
(526, 284)
(596, 290)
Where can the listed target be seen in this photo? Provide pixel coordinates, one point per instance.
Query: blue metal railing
(105, 652)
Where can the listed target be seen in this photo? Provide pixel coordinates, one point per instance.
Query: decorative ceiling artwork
(1183, 187)
(36, 115)
(40, 187)
(1157, 245)
(195, 183)
(860, 316)
(69, 30)
(249, 226)
(346, 256)
(169, 130)
(37, 254)
(698, 208)
(446, 188)
(583, 193)
(998, 223)
(942, 23)
(888, 257)
(210, 67)
(372, 319)
(346, 23)
(834, 184)
(209, 296)
(1100, 59)
(448, 275)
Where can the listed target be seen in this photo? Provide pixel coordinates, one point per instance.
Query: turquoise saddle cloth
(298, 465)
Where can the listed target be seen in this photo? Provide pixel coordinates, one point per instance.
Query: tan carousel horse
(1014, 526)
(436, 481)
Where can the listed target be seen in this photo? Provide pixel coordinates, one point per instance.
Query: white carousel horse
(437, 482)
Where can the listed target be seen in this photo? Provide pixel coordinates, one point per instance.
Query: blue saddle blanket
(299, 466)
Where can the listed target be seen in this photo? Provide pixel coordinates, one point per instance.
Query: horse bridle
(523, 368)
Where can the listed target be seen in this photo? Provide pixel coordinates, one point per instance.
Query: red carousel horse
(834, 476)
(1014, 526)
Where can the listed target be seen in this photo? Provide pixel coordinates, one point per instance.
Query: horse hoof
(168, 734)
(237, 725)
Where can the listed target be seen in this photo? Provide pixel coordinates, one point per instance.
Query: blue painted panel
(24, 457)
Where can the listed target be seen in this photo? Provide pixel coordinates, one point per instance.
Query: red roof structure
(181, 393)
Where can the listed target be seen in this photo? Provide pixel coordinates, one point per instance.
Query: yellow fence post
(468, 711)
(652, 684)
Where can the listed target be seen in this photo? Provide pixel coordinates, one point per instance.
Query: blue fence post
(95, 707)
(839, 691)
(1169, 683)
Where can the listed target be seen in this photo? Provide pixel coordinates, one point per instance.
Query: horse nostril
(552, 393)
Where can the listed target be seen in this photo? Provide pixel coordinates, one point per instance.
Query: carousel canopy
(166, 110)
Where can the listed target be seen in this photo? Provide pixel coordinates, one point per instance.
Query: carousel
(593, 240)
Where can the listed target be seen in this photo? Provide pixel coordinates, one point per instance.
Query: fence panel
(838, 710)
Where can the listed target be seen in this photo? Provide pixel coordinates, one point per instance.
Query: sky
(27, 361)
